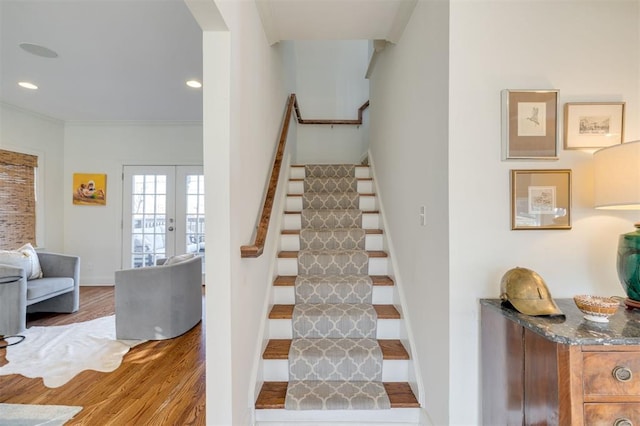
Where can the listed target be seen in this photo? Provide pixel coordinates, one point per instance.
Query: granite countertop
(623, 327)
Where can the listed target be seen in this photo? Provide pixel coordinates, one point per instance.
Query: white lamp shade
(617, 177)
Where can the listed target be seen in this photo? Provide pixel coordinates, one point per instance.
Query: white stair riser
(282, 329)
(369, 221)
(298, 172)
(297, 187)
(289, 266)
(392, 417)
(291, 242)
(363, 172)
(277, 370)
(285, 295)
(366, 203)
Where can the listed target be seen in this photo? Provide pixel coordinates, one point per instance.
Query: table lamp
(617, 187)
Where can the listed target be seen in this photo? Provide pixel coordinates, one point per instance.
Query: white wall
(330, 83)
(258, 95)
(94, 232)
(22, 131)
(589, 50)
(409, 133)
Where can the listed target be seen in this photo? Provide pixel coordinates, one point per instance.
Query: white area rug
(36, 415)
(59, 353)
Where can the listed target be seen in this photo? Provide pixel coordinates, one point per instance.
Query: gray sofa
(159, 302)
(57, 291)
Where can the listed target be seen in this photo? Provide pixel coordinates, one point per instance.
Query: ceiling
(117, 60)
(128, 60)
(334, 19)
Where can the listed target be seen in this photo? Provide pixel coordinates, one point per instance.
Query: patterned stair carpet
(335, 361)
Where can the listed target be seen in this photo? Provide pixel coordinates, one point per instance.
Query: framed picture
(541, 199)
(530, 124)
(90, 189)
(593, 125)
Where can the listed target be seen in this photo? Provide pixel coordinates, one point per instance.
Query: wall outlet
(422, 216)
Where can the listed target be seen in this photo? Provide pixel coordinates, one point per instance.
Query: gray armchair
(158, 302)
(57, 291)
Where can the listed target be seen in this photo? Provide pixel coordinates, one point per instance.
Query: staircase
(334, 353)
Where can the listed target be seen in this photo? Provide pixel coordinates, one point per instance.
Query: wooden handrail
(256, 249)
(322, 121)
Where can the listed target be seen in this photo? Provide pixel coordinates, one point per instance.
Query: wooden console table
(559, 370)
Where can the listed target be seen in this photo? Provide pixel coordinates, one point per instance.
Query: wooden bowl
(596, 308)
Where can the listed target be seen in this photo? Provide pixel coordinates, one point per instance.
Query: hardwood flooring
(158, 383)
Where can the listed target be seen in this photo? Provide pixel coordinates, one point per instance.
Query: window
(17, 199)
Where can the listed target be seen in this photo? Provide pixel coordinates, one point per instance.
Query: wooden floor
(158, 383)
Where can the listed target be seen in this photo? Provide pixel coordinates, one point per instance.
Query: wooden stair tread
(391, 349)
(290, 280)
(401, 395)
(366, 231)
(346, 164)
(285, 254)
(286, 312)
(302, 179)
(273, 394)
(363, 212)
(362, 194)
(386, 312)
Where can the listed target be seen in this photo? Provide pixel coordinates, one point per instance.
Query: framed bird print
(530, 124)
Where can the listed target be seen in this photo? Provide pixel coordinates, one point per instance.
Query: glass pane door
(163, 213)
(148, 219)
(190, 211)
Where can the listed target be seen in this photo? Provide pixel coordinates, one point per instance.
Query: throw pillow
(16, 259)
(179, 258)
(30, 252)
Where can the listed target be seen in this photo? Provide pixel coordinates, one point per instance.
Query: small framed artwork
(593, 125)
(530, 124)
(541, 199)
(90, 189)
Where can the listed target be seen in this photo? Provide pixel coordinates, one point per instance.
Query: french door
(163, 213)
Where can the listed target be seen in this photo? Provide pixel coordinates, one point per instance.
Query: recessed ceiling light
(194, 83)
(36, 49)
(27, 85)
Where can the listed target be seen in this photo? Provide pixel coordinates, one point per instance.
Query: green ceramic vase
(629, 263)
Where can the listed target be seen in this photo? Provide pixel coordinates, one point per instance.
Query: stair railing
(318, 121)
(256, 249)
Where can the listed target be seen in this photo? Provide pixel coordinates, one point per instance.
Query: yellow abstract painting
(90, 189)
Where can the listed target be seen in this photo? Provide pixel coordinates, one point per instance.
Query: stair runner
(335, 361)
